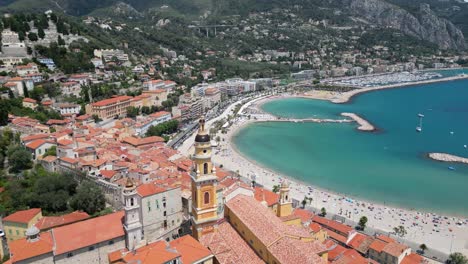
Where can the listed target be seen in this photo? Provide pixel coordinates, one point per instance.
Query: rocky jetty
(448, 158)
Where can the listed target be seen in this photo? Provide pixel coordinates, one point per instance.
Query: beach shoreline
(381, 216)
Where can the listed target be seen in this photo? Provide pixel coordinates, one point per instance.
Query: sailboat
(419, 128)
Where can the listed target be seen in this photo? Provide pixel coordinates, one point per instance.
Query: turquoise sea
(388, 166)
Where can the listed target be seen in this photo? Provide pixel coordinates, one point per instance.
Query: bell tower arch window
(206, 198)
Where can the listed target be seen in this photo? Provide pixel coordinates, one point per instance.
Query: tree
(32, 36)
(96, 118)
(423, 248)
(51, 152)
(304, 202)
(60, 41)
(19, 159)
(362, 223)
(167, 127)
(323, 212)
(400, 231)
(457, 258)
(88, 198)
(132, 111)
(41, 33)
(276, 188)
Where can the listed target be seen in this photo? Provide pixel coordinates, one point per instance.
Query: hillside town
(117, 126)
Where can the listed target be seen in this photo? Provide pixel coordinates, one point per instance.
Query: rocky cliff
(424, 24)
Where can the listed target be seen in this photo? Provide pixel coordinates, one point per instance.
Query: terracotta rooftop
(34, 137)
(148, 189)
(190, 249)
(29, 100)
(114, 100)
(108, 174)
(229, 247)
(361, 243)
(351, 256)
(154, 253)
(395, 249)
(305, 215)
(377, 245)
(142, 141)
(285, 241)
(160, 113)
(88, 232)
(48, 222)
(412, 258)
(343, 229)
(315, 227)
(270, 197)
(335, 251)
(22, 249)
(36, 143)
(22, 216)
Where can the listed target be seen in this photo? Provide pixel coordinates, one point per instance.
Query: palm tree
(362, 223)
(323, 212)
(423, 248)
(276, 188)
(304, 202)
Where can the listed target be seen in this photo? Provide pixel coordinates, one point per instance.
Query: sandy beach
(442, 233)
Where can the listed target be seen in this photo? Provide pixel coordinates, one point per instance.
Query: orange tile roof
(285, 241)
(36, 144)
(148, 189)
(142, 141)
(412, 258)
(113, 100)
(190, 249)
(377, 245)
(229, 247)
(69, 160)
(335, 252)
(50, 158)
(48, 222)
(29, 100)
(305, 215)
(22, 249)
(395, 249)
(22, 216)
(160, 113)
(361, 242)
(270, 197)
(335, 236)
(108, 174)
(154, 253)
(35, 136)
(315, 227)
(385, 238)
(88, 232)
(330, 224)
(351, 256)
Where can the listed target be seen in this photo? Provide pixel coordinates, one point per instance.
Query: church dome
(202, 138)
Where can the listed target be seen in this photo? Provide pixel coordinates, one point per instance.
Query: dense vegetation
(163, 128)
(15, 107)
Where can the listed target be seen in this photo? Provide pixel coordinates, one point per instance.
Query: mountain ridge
(423, 24)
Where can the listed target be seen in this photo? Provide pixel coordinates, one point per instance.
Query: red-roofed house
(39, 147)
(388, 251)
(336, 230)
(16, 224)
(86, 241)
(30, 103)
(37, 248)
(184, 250)
(269, 197)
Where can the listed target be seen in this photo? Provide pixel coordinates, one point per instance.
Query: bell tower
(285, 202)
(132, 225)
(204, 182)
